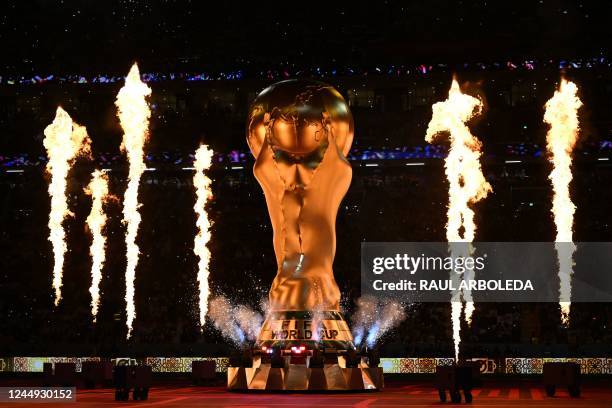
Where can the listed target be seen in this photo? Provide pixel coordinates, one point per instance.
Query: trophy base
(299, 377)
(305, 351)
(322, 330)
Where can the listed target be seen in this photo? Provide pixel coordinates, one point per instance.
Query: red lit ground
(505, 392)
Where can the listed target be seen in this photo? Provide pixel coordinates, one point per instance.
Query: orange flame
(64, 141)
(562, 116)
(98, 190)
(203, 160)
(134, 113)
(467, 184)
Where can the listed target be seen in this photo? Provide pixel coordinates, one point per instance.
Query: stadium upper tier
(506, 153)
(292, 71)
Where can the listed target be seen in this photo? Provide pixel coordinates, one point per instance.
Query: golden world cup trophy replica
(300, 133)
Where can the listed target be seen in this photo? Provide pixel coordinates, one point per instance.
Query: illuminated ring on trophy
(313, 329)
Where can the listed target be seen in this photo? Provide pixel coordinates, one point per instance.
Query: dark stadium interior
(391, 61)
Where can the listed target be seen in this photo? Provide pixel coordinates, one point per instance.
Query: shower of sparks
(249, 320)
(64, 141)
(374, 318)
(98, 190)
(562, 116)
(467, 184)
(238, 323)
(134, 113)
(203, 160)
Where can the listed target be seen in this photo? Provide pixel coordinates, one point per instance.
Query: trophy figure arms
(300, 135)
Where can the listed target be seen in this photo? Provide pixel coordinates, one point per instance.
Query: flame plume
(562, 116)
(64, 141)
(467, 184)
(203, 160)
(98, 190)
(134, 113)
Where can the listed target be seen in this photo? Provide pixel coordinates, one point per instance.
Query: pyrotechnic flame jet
(64, 141)
(134, 113)
(467, 184)
(98, 190)
(203, 160)
(562, 116)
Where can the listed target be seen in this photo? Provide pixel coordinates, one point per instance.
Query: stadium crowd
(383, 204)
(278, 74)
